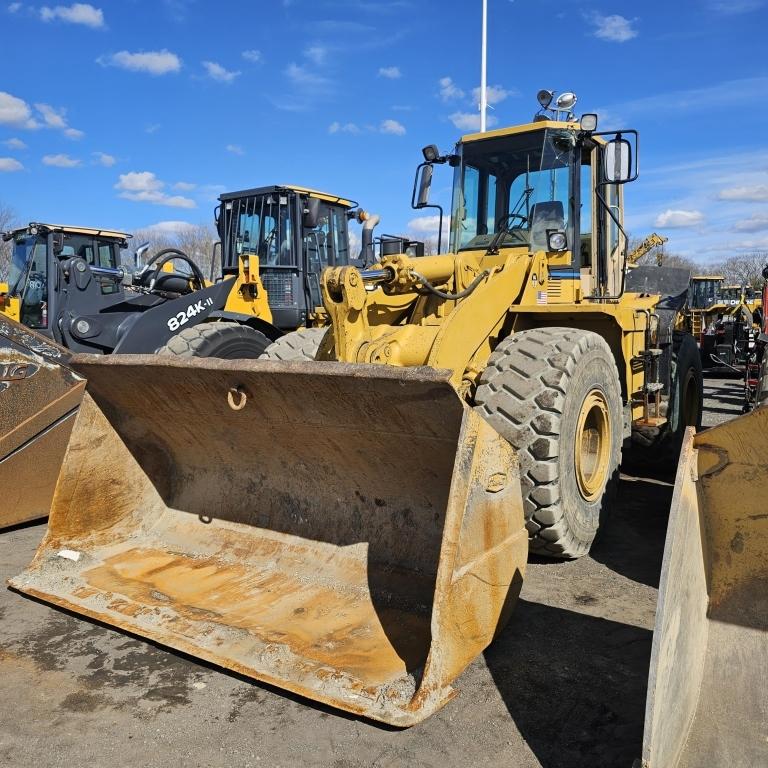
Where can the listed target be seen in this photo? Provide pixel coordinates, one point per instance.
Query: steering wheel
(507, 216)
(169, 254)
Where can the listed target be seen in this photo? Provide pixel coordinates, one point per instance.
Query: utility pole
(483, 54)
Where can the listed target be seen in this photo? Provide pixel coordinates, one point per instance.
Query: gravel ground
(564, 684)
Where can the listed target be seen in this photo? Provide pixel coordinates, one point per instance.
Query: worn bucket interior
(351, 533)
(39, 397)
(708, 686)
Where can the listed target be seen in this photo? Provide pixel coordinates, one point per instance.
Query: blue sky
(134, 113)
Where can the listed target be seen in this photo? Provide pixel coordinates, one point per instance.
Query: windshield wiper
(506, 228)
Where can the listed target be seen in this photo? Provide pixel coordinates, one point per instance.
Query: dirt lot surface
(564, 685)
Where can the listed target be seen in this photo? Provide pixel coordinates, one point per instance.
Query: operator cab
(703, 290)
(38, 252)
(294, 233)
(553, 185)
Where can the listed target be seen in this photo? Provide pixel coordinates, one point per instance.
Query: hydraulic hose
(451, 296)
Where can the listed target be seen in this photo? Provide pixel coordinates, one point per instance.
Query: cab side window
(34, 302)
(107, 259)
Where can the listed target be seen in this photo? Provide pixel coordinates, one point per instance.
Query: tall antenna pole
(483, 55)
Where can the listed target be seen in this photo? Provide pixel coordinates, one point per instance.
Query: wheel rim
(690, 400)
(592, 448)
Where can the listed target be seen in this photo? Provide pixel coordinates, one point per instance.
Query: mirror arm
(609, 210)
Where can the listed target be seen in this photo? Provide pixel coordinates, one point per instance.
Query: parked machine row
(353, 524)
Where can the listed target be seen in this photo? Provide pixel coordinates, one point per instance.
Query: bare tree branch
(8, 220)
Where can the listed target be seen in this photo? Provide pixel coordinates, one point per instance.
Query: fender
(157, 326)
(272, 332)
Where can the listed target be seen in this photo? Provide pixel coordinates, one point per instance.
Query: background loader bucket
(39, 397)
(350, 533)
(708, 687)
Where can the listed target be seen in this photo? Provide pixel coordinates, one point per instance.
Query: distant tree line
(744, 269)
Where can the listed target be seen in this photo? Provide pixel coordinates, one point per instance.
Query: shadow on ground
(574, 685)
(632, 542)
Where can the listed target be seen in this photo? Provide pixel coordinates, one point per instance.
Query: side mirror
(424, 185)
(618, 161)
(58, 242)
(311, 212)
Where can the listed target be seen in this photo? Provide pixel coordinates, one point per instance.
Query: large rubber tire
(687, 400)
(230, 341)
(298, 345)
(534, 392)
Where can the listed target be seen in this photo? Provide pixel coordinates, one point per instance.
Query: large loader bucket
(350, 533)
(708, 686)
(39, 397)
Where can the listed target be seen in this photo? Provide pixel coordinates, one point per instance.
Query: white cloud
(152, 128)
(494, 94)
(316, 54)
(302, 76)
(169, 228)
(145, 187)
(758, 222)
(61, 161)
(235, 149)
(14, 7)
(54, 118)
(217, 72)
(754, 194)
(735, 7)
(16, 111)
(675, 219)
(77, 13)
(614, 28)
(393, 127)
(9, 164)
(15, 144)
(337, 127)
(153, 62)
(184, 186)
(449, 91)
(252, 55)
(391, 73)
(729, 93)
(102, 158)
(427, 226)
(470, 121)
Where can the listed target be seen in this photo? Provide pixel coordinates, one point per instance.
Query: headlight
(557, 241)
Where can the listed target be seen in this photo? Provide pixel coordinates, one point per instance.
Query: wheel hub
(592, 447)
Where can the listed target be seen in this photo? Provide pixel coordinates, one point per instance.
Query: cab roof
(288, 188)
(526, 128)
(110, 233)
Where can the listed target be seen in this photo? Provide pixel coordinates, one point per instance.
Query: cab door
(35, 294)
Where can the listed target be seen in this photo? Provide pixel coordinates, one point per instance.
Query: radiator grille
(279, 288)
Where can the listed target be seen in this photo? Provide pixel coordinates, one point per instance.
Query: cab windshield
(703, 293)
(261, 226)
(518, 184)
(25, 249)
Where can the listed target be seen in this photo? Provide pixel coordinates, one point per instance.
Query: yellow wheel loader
(39, 398)
(356, 528)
